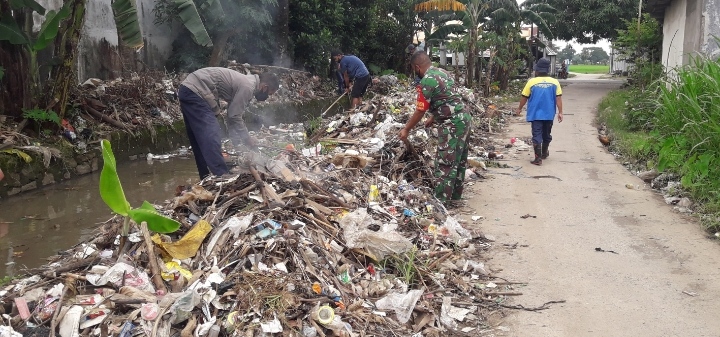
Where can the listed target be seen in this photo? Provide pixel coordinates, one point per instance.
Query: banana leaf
(126, 21)
(32, 4)
(50, 27)
(9, 30)
(156, 222)
(111, 190)
(191, 19)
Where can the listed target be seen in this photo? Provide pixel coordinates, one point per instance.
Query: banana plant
(112, 194)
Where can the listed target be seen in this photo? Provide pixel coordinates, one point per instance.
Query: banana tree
(23, 38)
(112, 194)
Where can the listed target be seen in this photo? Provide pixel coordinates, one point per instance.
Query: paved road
(582, 205)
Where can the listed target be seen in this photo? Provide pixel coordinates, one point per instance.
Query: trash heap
(343, 238)
(150, 98)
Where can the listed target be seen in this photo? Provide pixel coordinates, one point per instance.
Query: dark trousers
(541, 132)
(203, 130)
(340, 81)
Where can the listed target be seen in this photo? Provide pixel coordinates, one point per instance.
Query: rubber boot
(545, 152)
(538, 155)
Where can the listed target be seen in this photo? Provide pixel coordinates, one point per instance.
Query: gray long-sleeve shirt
(214, 83)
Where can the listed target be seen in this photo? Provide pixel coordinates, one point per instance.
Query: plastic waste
(214, 331)
(323, 314)
(273, 326)
(7, 331)
(384, 242)
(234, 226)
(173, 270)
(455, 230)
(126, 329)
(22, 307)
(374, 195)
(149, 311)
(114, 275)
(189, 244)
(402, 304)
(70, 323)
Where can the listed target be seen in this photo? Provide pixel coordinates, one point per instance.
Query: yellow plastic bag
(173, 267)
(189, 244)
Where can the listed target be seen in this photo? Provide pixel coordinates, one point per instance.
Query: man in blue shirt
(352, 68)
(543, 96)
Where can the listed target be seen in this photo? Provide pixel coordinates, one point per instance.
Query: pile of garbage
(339, 238)
(150, 98)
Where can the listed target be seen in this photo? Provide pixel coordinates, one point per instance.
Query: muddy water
(36, 225)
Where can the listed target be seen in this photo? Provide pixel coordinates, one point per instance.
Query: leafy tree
(594, 55)
(567, 53)
(591, 20)
(641, 44)
(644, 43)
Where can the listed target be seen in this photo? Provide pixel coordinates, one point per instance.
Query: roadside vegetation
(670, 122)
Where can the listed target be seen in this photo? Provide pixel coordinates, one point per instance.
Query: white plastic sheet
(380, 244)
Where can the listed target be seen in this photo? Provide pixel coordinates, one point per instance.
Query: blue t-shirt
(541, 93)
(354, 67)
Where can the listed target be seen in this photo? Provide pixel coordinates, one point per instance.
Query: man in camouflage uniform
(437, 93)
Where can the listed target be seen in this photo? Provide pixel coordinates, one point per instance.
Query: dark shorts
(360, 86)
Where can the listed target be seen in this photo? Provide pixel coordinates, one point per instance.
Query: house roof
(656, 8)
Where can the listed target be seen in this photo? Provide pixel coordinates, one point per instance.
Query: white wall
(674, 34)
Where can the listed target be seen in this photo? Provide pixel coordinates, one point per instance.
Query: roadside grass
(636, 145)
(589, 69)
(674, 126)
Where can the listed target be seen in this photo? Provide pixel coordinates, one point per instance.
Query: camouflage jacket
(438, 94)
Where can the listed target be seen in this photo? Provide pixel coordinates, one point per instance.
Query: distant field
(589, 69)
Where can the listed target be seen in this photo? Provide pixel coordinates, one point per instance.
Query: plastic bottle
(214, 331)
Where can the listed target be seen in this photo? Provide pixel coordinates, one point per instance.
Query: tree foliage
(594, 55)
(567, 53)
(588, 21)
(377, 31)
(640, 41)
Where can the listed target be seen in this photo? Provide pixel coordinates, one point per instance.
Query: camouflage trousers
(451, 159)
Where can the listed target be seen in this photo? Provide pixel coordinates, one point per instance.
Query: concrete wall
(711, 27)
(689, 29)
(674, 34)
(693, 29)
(101, 57)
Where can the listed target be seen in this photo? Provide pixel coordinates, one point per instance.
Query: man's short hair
(271, 80)
(419, 57)
(335, 53)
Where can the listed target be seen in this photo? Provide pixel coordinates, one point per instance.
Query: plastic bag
(402, 304)
(114, 275)
(378, 244)
(189, 244)
(455, 230)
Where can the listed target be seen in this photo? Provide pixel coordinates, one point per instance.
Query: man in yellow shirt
(543, 96)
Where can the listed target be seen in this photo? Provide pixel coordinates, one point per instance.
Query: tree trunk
(470, 59)
(282, 34)
(66, 43)
(219, 47)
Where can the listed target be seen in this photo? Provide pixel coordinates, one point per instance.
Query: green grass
(637, 145)
(674, 126)
(589, 69)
